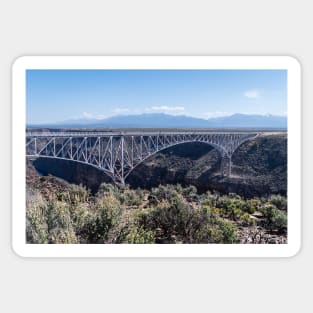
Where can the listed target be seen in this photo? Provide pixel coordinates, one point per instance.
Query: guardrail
(123, 133)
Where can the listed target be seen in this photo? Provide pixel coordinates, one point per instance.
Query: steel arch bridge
(118, 153)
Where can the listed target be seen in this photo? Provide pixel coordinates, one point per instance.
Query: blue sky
(59, 95)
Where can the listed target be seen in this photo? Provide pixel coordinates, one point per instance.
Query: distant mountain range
(160, 120)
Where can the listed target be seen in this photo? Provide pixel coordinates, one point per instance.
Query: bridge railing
(144, 133)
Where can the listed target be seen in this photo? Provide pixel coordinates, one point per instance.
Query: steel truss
(118, 154)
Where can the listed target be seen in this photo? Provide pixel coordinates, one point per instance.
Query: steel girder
(118, 154)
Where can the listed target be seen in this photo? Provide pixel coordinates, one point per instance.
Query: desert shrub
(233, 206)
(217, 211)
(215, 234)
(222, 231)
(234, 212)
(79, 214)
(58, 215)
(252, 205)
(279, 221)
(274, 218)
(59, 221)
(106, 214)
(78, 194)
(49, 221)
(230, 209)
(126, 196)
(279, 201)
(267, 210)
(106, 189)
(59, 235)
(178, 188)
(190, 193)
(209, 199)
(234, 201)
(131, 197)
(166, 192)
(34, 199)
(88, 232)
(36, 221)
(246, 220)
(61, 196)
(229, 231)
(177, 221)
(139, 235)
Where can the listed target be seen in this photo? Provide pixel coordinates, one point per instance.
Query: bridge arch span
(119, 154)
(220, 151)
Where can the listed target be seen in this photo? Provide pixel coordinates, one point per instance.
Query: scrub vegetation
(57, 212)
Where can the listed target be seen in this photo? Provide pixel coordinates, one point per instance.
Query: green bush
(190, 193)
(139, 235)
(246, 220)
(131, 198)
(106, 215)
(274, 218)
(59, 235)
(252, 205)
(58, 215)
(36, 226)
(177, 221)
(279, 220)
(229, 231)
(78, 194)
(279, 201)
(166, 192)
(59, 223)
(223, 231)
(36, 220)
(209, 199)
(106, 189)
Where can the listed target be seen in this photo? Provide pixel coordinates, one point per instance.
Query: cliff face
(259, 168)
(73, 172)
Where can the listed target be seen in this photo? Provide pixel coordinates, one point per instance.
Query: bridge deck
(134, 133)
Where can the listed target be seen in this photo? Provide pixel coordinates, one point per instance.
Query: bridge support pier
(226, 165)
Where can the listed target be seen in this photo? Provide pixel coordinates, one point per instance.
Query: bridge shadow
(73, 172)
(183, 164)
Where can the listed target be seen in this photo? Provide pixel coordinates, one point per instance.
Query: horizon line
(157, 113)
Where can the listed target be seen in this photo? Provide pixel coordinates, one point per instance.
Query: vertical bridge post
(226, 165)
